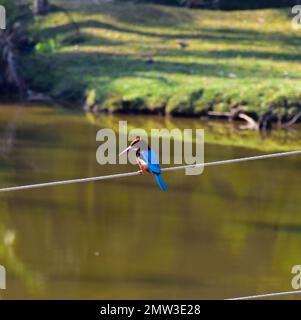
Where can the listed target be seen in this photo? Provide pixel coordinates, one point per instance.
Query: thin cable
(231, 161)
(61, 183)
(267, 295)
(136, 173)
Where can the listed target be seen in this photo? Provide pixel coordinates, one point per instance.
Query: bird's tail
(160, 182)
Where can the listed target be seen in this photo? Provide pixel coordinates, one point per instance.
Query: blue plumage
(160, 181)
(152, 161)
(147, 160)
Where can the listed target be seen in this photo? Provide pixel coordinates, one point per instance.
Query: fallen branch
(38, 97)
(251, 123)
(236, 112)
(219, 114)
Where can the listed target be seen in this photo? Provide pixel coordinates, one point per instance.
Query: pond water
(232, 231)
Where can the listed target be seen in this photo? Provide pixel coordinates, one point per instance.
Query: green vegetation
(224, 4)
(129, 57)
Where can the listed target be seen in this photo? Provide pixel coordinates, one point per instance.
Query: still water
(232, 231)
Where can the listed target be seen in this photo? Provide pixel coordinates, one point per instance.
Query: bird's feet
(143, 172)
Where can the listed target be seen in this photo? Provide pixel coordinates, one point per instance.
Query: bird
(149, 60)
(183, 44)
(147, 160)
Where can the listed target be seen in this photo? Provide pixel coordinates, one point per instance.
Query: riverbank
(134, 58)
(219, 133)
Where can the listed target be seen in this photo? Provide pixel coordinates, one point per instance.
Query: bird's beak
(125, 151)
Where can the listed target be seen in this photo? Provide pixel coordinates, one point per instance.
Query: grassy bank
(127, 57)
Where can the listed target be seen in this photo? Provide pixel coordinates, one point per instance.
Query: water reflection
(231, 231)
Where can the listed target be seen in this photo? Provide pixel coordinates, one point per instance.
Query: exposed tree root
(251, 124)
(8, 61)
(292, 121)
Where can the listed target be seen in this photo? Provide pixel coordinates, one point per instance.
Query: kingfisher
(147, 160)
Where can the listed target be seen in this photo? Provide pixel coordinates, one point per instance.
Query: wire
(136, 173)
(231, 161)
(267, 295)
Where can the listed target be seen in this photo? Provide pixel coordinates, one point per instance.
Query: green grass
(246, 58)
